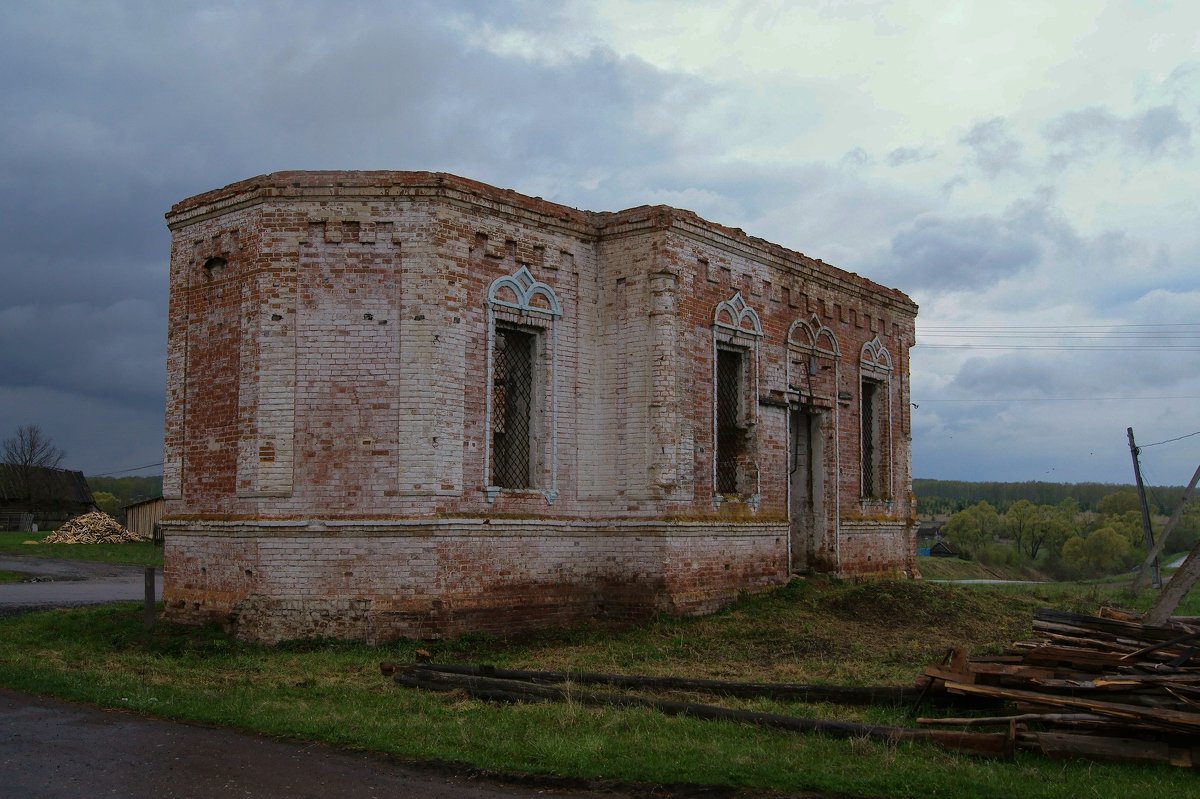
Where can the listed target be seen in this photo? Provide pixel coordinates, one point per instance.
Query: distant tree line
(111, 494)
(1062, 539)
(943, 497)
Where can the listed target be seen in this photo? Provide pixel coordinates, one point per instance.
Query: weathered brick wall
(332, 371)
(447, 576)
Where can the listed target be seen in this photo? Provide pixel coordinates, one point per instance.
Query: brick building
(406, 403)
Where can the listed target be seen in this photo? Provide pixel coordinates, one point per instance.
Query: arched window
(813, 352)
(522, 398)
(875, 415)
(736, 334)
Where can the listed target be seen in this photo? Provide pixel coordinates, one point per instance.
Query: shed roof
(61, 486)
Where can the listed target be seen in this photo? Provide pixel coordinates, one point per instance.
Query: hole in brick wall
(249, 572)
(214, 265)
(368, 316)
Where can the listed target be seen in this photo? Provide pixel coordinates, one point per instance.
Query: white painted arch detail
(733, 314)
(875, 356)
(813, 335)
(524, 288)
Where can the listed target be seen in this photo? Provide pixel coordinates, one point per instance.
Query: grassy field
(11, 576)
(810, 631)
(142, 552)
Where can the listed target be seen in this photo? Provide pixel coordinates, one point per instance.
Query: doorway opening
(806, 481)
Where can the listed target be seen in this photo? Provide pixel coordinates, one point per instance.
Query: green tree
(1034, 528)
(1020, 522)
(105, 502)
(1104, 551)
(1120, 502)
(972, 529)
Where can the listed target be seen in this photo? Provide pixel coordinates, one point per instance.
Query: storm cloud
(1046, 183)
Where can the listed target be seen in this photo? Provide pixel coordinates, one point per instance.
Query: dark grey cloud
(1158, 132)
(994, 148)
(115, 111)
(113, 352)
(856, 157)
(940, 253)
(909, 155)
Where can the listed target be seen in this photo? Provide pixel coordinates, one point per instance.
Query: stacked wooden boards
(1105, 686)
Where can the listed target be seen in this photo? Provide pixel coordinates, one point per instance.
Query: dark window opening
(871, 416)
(512, 407)
(731, 428)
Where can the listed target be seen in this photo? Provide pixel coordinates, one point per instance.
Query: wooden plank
(1102, 747)
(1162, 717)
(1176, 589)
(840, 694)
(984, 744)
(1020, 718)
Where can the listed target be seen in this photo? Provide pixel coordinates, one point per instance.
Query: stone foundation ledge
(467, 528)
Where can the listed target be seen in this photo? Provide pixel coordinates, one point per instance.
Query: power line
(1169, 440)
(1057, 327)
(1066, 399)
(1071, 335)
(123, 471)
(1060, 347)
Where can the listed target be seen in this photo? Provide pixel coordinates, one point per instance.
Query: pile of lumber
(1104, 687)
(92, 528)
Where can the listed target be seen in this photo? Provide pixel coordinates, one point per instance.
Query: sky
(1027, 171)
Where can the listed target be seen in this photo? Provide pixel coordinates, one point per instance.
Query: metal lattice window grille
(731, 428)
(513, 357)
(871, 466)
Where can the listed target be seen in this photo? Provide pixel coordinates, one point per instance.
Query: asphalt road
(64, 583)
(50, 749)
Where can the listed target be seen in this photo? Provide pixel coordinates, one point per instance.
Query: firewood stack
(1105, 687)
(92, 528)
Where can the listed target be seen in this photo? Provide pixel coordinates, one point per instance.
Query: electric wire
(123, 471)
(1169, 440)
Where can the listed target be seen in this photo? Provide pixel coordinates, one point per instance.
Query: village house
(411, 404)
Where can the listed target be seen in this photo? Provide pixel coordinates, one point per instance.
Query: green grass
(814, 630)
(12, 577)
(144, 553)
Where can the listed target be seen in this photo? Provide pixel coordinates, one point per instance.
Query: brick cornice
(595, 226)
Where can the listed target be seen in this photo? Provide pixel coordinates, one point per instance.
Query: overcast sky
(1026, 171)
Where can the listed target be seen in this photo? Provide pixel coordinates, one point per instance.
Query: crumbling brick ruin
(410, 404)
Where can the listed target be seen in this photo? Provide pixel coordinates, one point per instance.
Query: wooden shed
(143, 517)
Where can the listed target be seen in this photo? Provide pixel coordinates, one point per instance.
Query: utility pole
(1153, 554)
(1147, 532)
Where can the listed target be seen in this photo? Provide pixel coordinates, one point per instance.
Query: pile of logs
(1105, 687)
(92, 528)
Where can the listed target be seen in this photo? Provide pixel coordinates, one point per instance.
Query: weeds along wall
(410, 404)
